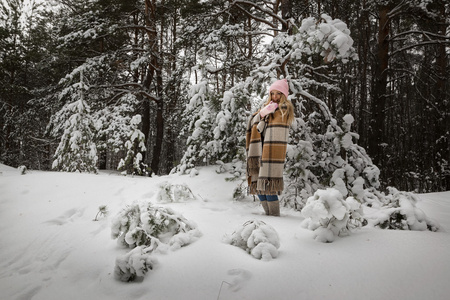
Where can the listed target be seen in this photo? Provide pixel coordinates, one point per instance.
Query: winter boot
(274, 208)
(265, 206)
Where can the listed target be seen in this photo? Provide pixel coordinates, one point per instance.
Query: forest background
(151, 87)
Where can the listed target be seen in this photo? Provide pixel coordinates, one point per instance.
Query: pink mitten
(269, 108)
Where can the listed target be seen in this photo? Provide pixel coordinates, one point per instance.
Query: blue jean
(268, 197)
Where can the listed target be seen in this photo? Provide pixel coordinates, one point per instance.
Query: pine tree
(200, 117)
(77, 151)
(114, 127)
(229, 134)
(135, 146)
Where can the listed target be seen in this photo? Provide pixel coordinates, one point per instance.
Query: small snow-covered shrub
(23, 170)
(221, 167)
(102, 211)
(329, 215)
(401, 213)
(133, 265)
(174, 193)
(257, 238)
(150, 229)
(240, 191)
(144, 224)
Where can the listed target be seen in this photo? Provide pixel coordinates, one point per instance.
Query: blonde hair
(285, 112)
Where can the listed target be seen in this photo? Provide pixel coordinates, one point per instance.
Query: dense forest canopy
(151, 86)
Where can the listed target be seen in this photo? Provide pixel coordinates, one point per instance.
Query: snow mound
(257, 238)
(169, 193)
(6, 168)
(10, 171)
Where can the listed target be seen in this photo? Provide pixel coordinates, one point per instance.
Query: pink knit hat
(280, 85)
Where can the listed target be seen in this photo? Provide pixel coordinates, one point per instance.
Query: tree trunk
(154, 68)
(159, 103)
(377, 123)
(170, 139)
(159, 129)
(275, 21)
(286, 13)
(363, 65)
(250, 40)
(442, 143)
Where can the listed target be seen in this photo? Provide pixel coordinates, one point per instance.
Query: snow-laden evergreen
(114, 126)
(135, 146)
(199, 115)
(229, 135)
(114, 129)
(77, 151)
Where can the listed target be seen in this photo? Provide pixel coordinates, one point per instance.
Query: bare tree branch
(239, 3)
(426, 33)
(419, 45)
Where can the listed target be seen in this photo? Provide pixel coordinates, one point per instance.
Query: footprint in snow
(148, 195)
(66, 216)
(239, 278)
(28, 293)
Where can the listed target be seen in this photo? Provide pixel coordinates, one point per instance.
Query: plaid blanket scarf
(266, 143)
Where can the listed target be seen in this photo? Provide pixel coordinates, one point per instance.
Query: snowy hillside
(51, 247)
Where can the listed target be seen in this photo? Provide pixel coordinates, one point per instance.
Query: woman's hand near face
(269, 108)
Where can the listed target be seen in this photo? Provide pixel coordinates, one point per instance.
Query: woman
(266, 143)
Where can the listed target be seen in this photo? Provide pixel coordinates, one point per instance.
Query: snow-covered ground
(50, 247)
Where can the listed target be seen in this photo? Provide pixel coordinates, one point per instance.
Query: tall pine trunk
(154, 68)
(364, 32)
(442, 132)
(159, 123)
(377, 122)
